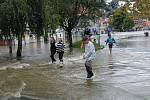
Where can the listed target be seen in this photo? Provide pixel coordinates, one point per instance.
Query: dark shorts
(110, 45)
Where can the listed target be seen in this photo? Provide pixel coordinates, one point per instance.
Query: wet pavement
(124, 75)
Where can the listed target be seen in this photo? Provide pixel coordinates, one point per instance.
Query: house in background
(60, 34)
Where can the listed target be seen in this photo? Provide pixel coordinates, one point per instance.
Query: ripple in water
(12, 87)
(16, 65)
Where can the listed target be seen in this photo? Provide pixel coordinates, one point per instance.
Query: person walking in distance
(89, 55)
(53, 49)
(110, 41)
(60, 50)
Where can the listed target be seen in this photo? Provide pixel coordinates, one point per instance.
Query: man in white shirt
(89, 55)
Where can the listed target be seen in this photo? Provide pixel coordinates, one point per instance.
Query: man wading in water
(89, 55)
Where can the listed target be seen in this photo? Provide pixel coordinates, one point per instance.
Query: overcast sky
(109, 0)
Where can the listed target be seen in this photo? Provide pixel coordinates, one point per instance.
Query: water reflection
(111, 62)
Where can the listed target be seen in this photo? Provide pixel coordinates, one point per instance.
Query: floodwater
(124, 75)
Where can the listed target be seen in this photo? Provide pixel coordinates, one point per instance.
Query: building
(141, 23)
(103, 23)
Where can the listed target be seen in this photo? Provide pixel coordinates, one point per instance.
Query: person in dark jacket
(53, 49)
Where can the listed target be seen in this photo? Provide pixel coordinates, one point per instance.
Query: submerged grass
(78, 45)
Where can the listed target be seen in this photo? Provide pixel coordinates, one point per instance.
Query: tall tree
(5, 23)
(35, 14)
(71, 11)
(14, 14)
(49, 16)
(42, 16)
(141, 7)
(121, 20)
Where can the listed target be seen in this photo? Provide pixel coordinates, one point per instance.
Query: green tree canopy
(142, 8)
(69, 12)
(13, 15)
(121, 20)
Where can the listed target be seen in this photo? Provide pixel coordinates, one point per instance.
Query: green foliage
(78, 45)
(35, 16)
(121, 20)
(69, 13)
(143, 7)
(84, 22)
(128, 24)
(13, 15)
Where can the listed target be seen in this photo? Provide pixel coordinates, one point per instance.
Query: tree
(141, 7)
(35, 14)
(121, 20)
(13, 18)
(50, 17)
(111, 7)
(5, 22)
(69, 13)
(42, 16)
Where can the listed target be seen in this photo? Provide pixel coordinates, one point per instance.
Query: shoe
(90, 75)
(54, 62)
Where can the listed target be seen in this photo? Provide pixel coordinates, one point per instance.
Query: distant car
(131, 30)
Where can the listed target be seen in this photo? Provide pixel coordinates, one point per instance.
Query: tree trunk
(69, 37)
(45, 36)
(10, 46)
(19, 50)
(38, 35)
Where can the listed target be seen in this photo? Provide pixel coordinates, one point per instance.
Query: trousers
(88, 66)
(52, 55)
(60, 54)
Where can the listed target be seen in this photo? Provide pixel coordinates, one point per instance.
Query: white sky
(108, 0)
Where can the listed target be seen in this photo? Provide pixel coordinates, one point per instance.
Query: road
(124, 75)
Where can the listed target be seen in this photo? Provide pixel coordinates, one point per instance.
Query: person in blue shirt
(110, 41)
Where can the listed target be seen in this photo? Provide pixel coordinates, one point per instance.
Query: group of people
(89, 51)
(57, 47)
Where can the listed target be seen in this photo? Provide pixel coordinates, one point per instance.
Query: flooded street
(124, 75)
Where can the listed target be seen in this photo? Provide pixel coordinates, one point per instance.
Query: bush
(78, 45)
